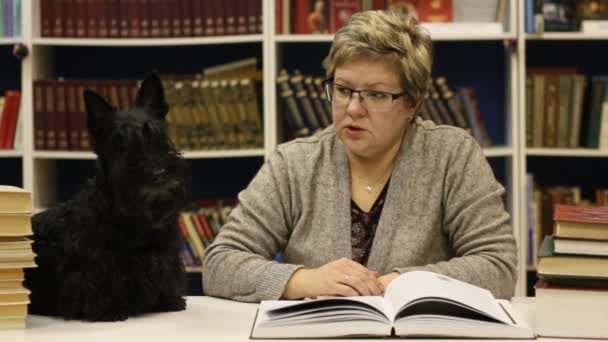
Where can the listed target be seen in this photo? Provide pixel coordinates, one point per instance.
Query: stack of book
(15, 254)
(573, 272)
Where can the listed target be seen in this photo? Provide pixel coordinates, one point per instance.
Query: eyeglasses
(373, 100)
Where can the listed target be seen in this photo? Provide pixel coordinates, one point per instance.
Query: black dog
(113, 250)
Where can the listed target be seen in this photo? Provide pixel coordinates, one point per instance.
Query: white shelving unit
(524, 152)
(39, 166)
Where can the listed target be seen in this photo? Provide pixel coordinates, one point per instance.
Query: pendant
(369, 188)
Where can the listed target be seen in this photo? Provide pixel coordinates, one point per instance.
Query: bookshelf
(556, 166)
(501, 82)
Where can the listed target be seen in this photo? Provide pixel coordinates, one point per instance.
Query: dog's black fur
(113, 251)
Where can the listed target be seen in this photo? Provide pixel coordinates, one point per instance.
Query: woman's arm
(239, 263)
(476, 224)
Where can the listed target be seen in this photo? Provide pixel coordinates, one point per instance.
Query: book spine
(202, 21)
(145, 17)
(81, 18)
(61, 120)
(39, 114)
(187, 13)
(46, 16)
(165, 18)
(71, 100)
(92, 19)
(115, 19)
(230, 15)
(69, 16)
(176, 18)
(102, 18)
(50, 112)
(210, 18)
(58, 16)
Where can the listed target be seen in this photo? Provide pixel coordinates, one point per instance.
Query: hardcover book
(415, 304)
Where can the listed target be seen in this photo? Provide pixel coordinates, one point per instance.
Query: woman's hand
(387, 278)
(342, 277)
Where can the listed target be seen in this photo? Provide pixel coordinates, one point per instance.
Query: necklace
(371, 187)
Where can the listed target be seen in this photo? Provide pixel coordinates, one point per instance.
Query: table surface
(206, 319)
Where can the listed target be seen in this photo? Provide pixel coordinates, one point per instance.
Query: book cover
(340, 12)
(435, 11)
(555, 265)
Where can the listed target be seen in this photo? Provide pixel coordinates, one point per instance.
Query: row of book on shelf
(589, 16)
(199, 224)
(563, 111)
(307, 109)
(219, 108)
(10, 18)
(10, 120)
(328, 16)
(572, 290)
(15, 254)
(149, 18)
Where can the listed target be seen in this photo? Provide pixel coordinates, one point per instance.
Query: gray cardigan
(443, 213)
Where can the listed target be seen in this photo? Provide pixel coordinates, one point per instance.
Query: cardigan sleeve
(240, 264)
(476, 224)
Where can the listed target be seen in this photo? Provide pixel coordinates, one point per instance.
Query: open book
(415, 304)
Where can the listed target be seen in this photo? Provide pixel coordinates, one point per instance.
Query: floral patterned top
(363, 227)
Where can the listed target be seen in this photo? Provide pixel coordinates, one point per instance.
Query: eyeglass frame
(330, 81)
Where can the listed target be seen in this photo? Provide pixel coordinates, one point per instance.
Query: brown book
(219, 11)
(241, 18)
(92, 19)
(124, 96)
(69, 18)
(103, 20)
(165, 17)
(71, 100)
(130, 23)
(39, 115)
(581, 222)
(58, 18)
(50, 112)
(46, 18)
(84, 143)
(186, 15)
(209, 19)
(81, 18)
(145, 17)
(551, 109)
(114, 19)
(252, 16)
(154, 15)
(176, 15)
(15, 200)
(61, 119)
(230, 8)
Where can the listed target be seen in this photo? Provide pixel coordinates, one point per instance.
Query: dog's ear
(99, 112)
(152, 97)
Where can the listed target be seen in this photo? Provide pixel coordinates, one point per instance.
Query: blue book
(16, 18)
(8, 18)
(529, 16)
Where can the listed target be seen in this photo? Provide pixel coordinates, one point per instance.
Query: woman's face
(365, 131)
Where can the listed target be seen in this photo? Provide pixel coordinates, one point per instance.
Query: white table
(207, 319)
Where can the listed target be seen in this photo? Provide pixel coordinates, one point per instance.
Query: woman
(377, 194)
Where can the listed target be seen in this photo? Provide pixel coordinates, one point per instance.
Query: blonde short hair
(385, 34)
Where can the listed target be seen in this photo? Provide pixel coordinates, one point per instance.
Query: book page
(420, 285)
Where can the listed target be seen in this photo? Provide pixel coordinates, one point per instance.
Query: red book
(278, 17)
(81, 18)
(12, 100)
(46, 16)
(438, 11)
(69, 16)
(103, 20)
(92, 19)
(219, 11)
(340, 11)
(165, 17)
(49, 119)
(242, 16)
(208, 24)
(199, 227)
(124, 96)
(310, 16)
(81, 116)
(176, 18)
(58, 18)
(61, 118)
(71, 99)
(253, 11)
(230, 15)
(186, 15)
(130, 24)
(580, 222)
(145, 16)
(39, 114)
(154, 15)
(114, 18)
